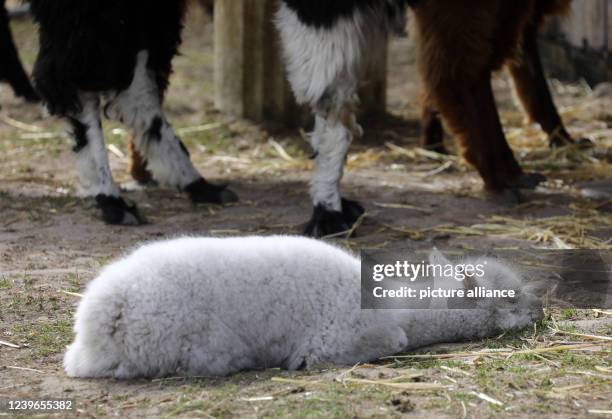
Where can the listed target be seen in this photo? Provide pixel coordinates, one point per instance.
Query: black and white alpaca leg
(167, 158)
(92, 165)
(325, 47)
(331, 140)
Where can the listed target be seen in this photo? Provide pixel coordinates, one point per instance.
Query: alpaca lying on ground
(212, 307)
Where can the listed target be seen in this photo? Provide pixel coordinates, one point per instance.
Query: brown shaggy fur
(460, 45)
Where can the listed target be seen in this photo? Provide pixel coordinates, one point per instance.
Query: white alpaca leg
(330, 141)
(140, 108)
(325, 67)
(92, 164)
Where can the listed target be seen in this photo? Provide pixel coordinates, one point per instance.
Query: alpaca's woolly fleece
(209, 307)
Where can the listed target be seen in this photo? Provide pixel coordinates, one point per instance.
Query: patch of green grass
(103, 260)
(28, 281)
(214, 141)
(15, 303)
(568, 313)
(74, 282)
(5, 283)
(46, 338)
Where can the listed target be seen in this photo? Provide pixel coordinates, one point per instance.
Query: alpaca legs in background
(432, 130)
(325, 49)
(534, 93)
(11, 69)
(92, 164)
(459, 85)
(124, 59)
(519, 50)
(139, 107)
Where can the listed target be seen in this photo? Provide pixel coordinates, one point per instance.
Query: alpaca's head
(518, 311)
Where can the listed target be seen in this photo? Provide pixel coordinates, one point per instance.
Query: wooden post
(250, 78)
(249, 74)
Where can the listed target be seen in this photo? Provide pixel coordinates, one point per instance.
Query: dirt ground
(52, 244)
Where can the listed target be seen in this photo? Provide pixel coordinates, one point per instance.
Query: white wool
(325, 68)
(137, 106)
(93, 168)
(211, 306)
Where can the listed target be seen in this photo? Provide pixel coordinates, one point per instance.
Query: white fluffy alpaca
(208, 307)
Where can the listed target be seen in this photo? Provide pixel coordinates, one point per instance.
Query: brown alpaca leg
(432, 131)
(456, 60)
(532, 89)
(138, 165)
(471, 114)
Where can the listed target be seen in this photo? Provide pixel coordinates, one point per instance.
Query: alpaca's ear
(469, 283)
(436, 258)
(440, 263)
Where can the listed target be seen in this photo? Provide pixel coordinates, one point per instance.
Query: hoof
(202, 192)
(351, 211)
(512, 192)
(510, 196)
(326, 223)
(528, 181)
(31, 97)
(564, 140)
(439, 148)
(116, 211)
(28, 94)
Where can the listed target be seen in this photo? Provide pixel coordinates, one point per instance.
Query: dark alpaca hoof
(202, 192)
(24, 90)
(511, 193)
(564, 139)
(30, 96)
(327, 223)
(116, 211)
(528, 181)
(439, 148)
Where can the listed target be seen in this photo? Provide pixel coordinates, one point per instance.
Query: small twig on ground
(19, 125)
(72, 294)
(402, 206)
(9, 344)
(486, 398)
(348, 233)
(11, 367)
(280, 150)
(581, 335)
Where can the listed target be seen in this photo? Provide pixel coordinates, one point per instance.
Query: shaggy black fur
(324, 13)
(154, 131)
(11, 69)
(92, 45)
(116, 211)
(325, 222)
(79, 132)
(202, 192)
